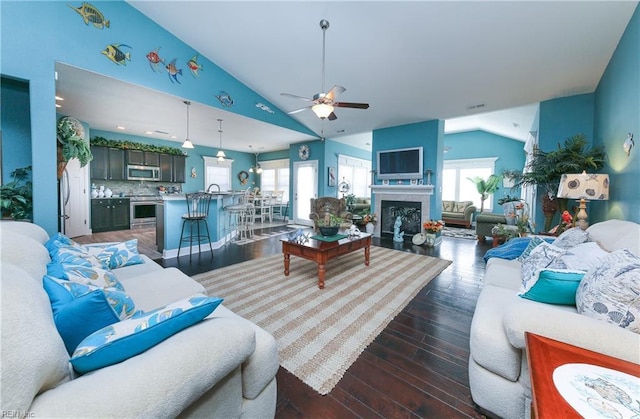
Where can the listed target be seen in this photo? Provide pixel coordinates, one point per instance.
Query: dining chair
(276, 204)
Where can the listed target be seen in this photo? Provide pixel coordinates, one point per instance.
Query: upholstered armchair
(326, 206)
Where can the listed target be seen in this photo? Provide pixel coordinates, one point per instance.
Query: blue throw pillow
(117, 255)
(128, 338)
(553, 286)
(511, 249)
(81, 317)
(56, 241)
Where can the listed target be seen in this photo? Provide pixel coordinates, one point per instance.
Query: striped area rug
(320, 333)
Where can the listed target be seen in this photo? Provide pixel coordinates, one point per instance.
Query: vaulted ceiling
(411, 61)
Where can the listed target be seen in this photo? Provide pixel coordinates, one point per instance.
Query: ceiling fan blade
(299, 110)
(296, 97)
(335, 91)
(332, 116)
(351, 105)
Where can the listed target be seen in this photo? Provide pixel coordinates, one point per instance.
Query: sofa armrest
(469, 211)
(160, 382)
(572, 328)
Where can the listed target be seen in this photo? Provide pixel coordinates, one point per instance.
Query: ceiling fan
(323, 104)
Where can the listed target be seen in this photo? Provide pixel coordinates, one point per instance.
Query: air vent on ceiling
(162, 132)
(478, 106)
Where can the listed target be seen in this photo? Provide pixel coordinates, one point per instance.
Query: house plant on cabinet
(71, 143)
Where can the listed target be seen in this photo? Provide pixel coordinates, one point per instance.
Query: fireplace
(410, 214)
(409, 196)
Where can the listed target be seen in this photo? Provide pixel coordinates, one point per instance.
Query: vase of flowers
(369, 220)
(431, 230)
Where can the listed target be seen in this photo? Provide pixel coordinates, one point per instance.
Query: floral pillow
(125, 339)
(74, 254)
(56, 241)
(117, 255)
(89, 275)
(571, 238)
(611, 292)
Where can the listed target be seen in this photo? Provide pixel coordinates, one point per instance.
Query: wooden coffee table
(544, 356)
(322, 252)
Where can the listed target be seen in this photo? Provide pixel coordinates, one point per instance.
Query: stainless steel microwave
(143, 173)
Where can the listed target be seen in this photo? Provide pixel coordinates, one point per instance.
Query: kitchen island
(169, 222)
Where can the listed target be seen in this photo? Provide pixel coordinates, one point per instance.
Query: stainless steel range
(143, 211)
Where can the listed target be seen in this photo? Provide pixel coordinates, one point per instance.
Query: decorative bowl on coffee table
(329, 231)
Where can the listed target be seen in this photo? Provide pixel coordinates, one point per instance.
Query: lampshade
(322, 110)
(187, 142)
(584, 187)
(587, 186)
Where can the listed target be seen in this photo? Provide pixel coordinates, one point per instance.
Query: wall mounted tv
(402, 163)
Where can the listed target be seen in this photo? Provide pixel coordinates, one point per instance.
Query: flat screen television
(402, 163)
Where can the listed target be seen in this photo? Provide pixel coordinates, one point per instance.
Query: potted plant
(350, 201)
(546, 168)
(71, 144)
(508, 204)
(16, 197)
(329, 225)
(486, 187)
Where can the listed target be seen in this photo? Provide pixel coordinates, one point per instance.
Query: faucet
(213, 184)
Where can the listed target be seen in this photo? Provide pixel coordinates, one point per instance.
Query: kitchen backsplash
(130, 188)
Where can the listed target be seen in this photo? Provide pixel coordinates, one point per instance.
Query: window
(275, 177)
(357, 173)
(218, 172)
(455, 183)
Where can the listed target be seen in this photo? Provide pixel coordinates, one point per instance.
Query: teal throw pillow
(56, 241)
(117, 255)
(553, 287)
(123, 340)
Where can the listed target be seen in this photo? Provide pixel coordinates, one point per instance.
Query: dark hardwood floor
(417, 366)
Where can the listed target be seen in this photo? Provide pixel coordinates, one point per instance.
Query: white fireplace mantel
(403, 189)
(412, 193)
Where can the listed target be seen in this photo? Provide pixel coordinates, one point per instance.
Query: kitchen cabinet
(143, 158)
(172, 168)
(107, 163)
(110, 214)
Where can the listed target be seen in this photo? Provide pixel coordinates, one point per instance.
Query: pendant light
(187, 142)
(220, 155)
(257, 169)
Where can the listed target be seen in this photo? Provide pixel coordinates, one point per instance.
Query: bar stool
(237, 217)
(197, 212)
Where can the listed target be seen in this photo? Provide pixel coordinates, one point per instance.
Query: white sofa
(498, 371)
(221, 367)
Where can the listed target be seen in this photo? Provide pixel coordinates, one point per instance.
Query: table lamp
(584, 187)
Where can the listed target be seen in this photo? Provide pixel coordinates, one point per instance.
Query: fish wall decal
(115, 54)
(225, 99)
(154, 59)
(173, 71)
(91, 14)
(194, 66)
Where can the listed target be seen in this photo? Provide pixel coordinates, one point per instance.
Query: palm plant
(16, 197)
(486, 187)
(546, 168)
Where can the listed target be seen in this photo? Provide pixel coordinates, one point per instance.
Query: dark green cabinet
(107, 163)
(143, 158)
(109, 214)
(172, 168)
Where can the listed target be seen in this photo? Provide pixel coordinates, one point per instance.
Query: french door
(305, 187)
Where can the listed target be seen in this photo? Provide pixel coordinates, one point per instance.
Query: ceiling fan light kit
(323, 103)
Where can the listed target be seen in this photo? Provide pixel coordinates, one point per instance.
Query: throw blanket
(511, 249)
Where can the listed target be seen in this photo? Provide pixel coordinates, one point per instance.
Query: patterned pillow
(553, 286)
(117, 255)
(585, 256)
(63, 292)
(571, 237)
(56, 241)
(543, 256)
(533, 243)
(74, 254)
(123, 340)
(89, 275)
(611, 292)
(447, 206)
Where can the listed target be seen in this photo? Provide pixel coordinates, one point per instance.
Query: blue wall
(429, 135)
(617, 112)
(16, 128)
(481, 144)
(44, 32)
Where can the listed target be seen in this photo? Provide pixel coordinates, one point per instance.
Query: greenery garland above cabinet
(132, 145)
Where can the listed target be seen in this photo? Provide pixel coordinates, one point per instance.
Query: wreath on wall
(243, 176)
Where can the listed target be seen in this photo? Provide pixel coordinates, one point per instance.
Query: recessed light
(58, 105)
(120, 127)
(59, 98)
(148, 132)
(174, 137)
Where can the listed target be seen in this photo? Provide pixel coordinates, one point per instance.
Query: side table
(544, 355)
